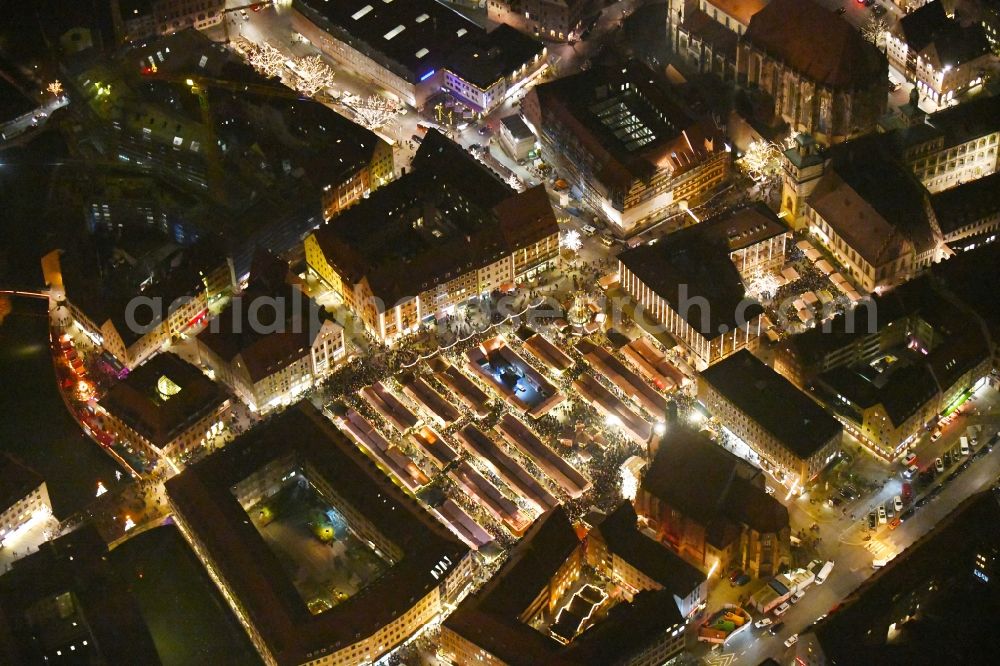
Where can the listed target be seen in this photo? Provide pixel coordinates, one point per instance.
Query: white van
(824, 572)
(963, 445)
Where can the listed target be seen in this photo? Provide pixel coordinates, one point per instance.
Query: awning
(804, 245)
(790, 273)
(812, 254)
(810, 298)
(824, 266)
(853, 295)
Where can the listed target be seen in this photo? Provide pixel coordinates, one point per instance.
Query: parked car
(741, 581)
(906, 515)
(841, 10)
(872, 520)
(939, 465)
(911, 471)
(736, 573)
(776, 628)
(897, 503)
(798, 596)
(923, 501)
(882, 519)
(936, 435)
(782, 609)
(910, 459)
(763, 622)
(791, 640)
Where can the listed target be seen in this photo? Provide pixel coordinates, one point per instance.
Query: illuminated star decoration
(571, 241)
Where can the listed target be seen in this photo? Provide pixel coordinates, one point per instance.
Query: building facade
(23, 497)
(139, 19)
(943, 58)
(691, 284)
(794, 437)
(489, 238)
(545, 19)
(633, 153)
(165, 409)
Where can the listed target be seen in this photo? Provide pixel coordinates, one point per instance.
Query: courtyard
(315, 546)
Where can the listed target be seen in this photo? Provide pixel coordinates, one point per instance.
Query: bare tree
(312, 75)
(374, 111)
(874, 29)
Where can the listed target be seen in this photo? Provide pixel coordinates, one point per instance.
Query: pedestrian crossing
(879, 549)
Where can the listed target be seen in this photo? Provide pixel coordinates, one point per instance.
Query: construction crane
(200, 86)
(254, 6)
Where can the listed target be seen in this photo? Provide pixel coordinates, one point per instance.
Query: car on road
(776, 628)
(763, 622)
(906, 515)
(735, 574)
(741, 581)
(939, 465)
(947, 459)
(911, 471)
(881, 515)
(782, 609)
(791, 640)
(894, 523)
(897, 503)
(936, 435)
(910, 459)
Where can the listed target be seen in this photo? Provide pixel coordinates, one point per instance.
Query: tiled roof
(788, 30)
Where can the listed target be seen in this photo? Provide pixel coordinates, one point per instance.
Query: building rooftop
(969, 120)
(17, 480)
(624, 112)
(490, 57)
(967, 203)
(928, 27)
(773, 402)
(491, 617)
(873, 201)
(902, 394)
(932, 589)
(741, 10)
(450, 215)
(202, 496)
(973, 278)
(694, 263)
(104, 271)
(264, 342)
(517, 127)
(919, 28)
(55, 606)
(707, 483)
(13, 103)
(162, 398)
(416, 38)
(621, 532)
(787, 30)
